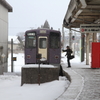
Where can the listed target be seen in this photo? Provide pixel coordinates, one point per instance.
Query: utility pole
(11, 55)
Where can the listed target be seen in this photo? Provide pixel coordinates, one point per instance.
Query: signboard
(42, 31)
(90, 28)
(14, 58)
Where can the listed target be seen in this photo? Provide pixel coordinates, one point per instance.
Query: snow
(11, 89)
(36, 66)
(15, 40)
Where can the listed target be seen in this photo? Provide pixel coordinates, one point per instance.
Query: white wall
(3, 37)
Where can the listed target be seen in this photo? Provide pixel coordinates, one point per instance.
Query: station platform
(85, 82)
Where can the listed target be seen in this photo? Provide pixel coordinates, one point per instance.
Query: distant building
(16, 43)
(4, 9)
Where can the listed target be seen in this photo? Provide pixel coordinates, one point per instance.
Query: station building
(5, 8)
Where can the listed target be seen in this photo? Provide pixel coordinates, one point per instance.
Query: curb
(75, 87)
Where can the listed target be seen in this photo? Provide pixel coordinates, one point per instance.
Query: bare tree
(21, 35)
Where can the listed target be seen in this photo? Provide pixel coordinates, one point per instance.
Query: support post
(87, 48)
(94, 37)
(70, 38)
(11, 55)
(82, 46)
(39, 73)
(63, 36)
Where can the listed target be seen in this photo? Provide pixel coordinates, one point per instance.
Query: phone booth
(95, 55)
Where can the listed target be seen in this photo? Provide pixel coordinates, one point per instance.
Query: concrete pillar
(82, 46)
(87, 48)
(94, 37)
(70, 38)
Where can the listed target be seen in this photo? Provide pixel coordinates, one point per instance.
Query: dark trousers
(68, 61)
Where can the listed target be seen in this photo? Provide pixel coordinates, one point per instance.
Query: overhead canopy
(82, 12)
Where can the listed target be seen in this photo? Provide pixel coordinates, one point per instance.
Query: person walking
(68, 54)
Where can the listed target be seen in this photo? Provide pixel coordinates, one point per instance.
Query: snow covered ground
(11, 89)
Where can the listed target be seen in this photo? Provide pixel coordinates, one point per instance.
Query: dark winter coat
(68, 52)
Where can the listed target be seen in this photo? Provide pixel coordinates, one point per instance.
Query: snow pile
(11, 89)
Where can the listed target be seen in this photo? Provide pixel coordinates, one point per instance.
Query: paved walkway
(85, 83)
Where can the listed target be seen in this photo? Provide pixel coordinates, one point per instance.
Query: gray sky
(29, 14)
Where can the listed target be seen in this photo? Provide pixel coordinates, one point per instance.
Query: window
(54, 40)
(30, 40)
(42, 43)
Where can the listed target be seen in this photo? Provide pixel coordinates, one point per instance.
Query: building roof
(82, 12)
(15, 39)
(6, 5)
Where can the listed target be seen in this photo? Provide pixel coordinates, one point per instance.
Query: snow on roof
(15, 40)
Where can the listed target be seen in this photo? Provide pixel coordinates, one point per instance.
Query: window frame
(27, 40)
(57, 37)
